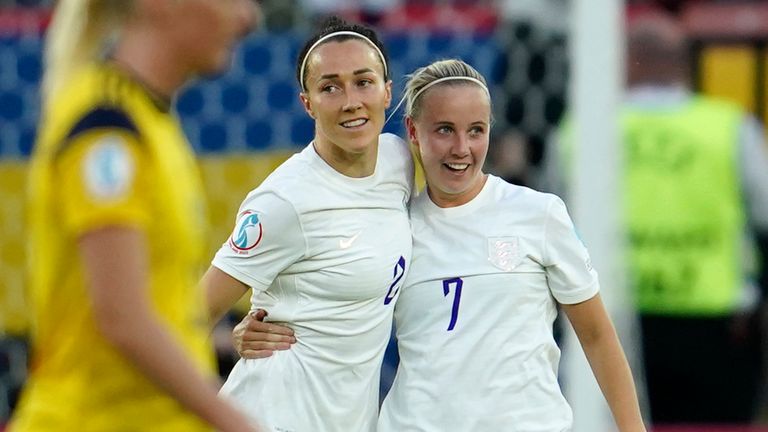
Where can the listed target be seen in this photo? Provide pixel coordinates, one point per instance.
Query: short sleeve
(102, 180)
(267, 239)
(570, 274)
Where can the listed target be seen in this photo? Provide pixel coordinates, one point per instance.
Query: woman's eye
(476, 131)
(364, 83)
(328, 88)
(444, 130)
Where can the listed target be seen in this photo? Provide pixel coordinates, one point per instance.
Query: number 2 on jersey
(457, 282)
(393, 289)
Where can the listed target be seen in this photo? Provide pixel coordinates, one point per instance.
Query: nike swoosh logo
(346, 243)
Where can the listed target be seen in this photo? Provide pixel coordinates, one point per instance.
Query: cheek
(375, 110)
(198, 43)
(430, 154)
(481, 153)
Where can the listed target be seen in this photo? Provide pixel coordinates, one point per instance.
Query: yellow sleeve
(103, 180)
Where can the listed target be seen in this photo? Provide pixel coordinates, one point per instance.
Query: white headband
(331, 35)
(438, 81)
(451, 78)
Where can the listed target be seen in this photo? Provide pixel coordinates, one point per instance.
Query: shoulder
(522, 197)
(290, 180)
(97, 99)
(98, 125)
(718, 102)
(270, 202)
(394, 149)
(392, 141)
(103, 117)
(419, 203)
(718, 105)
(97, 85)
(396, 159)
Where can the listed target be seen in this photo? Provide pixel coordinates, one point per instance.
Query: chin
(215, 67)
(360, 144)
(453, 187)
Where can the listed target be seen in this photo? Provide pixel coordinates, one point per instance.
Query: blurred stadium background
(248, 121)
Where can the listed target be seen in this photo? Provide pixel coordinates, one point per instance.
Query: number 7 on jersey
(457, 283)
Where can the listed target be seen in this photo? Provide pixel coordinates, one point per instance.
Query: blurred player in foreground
(117, 218)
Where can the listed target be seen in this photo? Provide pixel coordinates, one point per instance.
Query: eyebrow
(357, 72)
(450, 123)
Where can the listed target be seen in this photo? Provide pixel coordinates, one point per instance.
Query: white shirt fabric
(483, 358)
(325, 256)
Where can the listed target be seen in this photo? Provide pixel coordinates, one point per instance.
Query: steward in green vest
(683, 208)
(682, 205)
(695, 182)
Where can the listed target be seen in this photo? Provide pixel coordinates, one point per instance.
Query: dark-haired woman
(324, 244)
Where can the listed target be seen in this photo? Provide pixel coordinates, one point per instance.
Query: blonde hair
(447, 72)
(79, 32)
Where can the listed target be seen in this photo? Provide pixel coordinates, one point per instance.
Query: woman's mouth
(456, 167)
(351, 124)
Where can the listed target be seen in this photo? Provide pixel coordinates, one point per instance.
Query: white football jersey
(326, 255)
(474, 319)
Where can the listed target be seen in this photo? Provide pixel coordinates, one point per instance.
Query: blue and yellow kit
(109, 153)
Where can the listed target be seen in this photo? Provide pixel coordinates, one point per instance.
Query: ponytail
(77, 35)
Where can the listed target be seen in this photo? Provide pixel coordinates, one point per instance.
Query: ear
(410, 128)
(388, 89)
(305, 102)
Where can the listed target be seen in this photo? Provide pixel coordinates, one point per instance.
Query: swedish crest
(504, 252)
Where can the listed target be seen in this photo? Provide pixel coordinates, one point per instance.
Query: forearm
(116, 266)
(155, 353)
(222, 291)
(611, 369)
(606, 358)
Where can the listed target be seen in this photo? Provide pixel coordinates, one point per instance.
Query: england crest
(504, 252)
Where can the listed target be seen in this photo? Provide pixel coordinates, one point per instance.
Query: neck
(350, 164)
(143, 54)
(445, 200)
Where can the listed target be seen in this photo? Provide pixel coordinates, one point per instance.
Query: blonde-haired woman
(491, 264)
(116, 221)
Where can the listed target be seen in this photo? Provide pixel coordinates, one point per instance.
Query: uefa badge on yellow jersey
(108, 169)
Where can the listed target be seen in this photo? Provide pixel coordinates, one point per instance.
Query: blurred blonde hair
(78, 34)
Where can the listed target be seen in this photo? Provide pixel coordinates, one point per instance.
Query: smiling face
(347, 96)
(451, 133)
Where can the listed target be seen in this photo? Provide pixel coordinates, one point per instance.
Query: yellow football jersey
(109, 154)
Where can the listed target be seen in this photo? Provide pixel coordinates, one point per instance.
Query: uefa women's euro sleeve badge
(109, 169)
(247, 233)
(504, 252)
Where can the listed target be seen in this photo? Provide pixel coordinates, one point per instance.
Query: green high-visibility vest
(683, 207)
